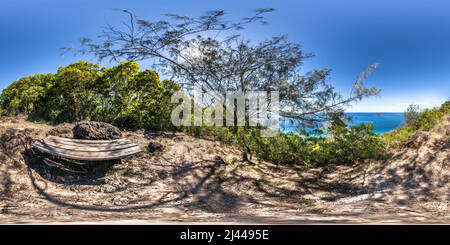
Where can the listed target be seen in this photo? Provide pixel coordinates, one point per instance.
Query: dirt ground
(197, 181)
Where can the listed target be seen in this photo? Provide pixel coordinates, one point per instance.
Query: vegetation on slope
(416, 120)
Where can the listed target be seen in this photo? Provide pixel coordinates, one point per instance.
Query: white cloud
(396, 103)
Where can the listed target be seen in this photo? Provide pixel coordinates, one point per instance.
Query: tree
(73, 95)
(412, 113)
(24, 95)
(116, 91)
(121, 95)
(208, 51)
(152, 99)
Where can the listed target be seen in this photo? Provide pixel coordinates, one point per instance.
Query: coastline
(383, 122)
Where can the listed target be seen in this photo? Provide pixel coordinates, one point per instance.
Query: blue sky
(410, 39)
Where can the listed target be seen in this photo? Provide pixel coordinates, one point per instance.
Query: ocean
(383, 122)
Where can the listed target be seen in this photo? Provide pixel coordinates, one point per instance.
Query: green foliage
(354, 143)
(398, 136)
(72, 97)
(411, 114)
(121, 95)
(423, 121)
(345, 144)
(429, 118)
(26, 94)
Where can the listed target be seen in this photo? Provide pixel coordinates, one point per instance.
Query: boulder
(62, 130)
(417, 139)
(96, 131)
(154, 146)
(14, 141)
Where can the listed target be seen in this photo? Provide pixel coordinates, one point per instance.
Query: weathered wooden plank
(108, 150)
(90, 156)
(82, 147)
(54, 164)
(80, 141)
(91, 149)
(42, 144)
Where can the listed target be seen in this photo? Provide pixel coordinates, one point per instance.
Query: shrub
(26, 94)
(411, 114)
(121, 95)
(355, 143)
(345, 144)
(424, 121)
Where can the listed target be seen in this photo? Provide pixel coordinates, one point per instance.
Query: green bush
(424, 121)
(429, 118)
(26, 95)
(411, 114)
(398, 137)
(345, 144)
(121, 95)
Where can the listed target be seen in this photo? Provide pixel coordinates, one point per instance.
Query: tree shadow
(414, 181)
(206, 194)
(153, 134)
(63, 171)
(206, 187)
(202, 185)
(313, 184)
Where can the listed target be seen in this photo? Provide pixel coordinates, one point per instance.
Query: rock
(443, 130)
(417, 139)
(139, 131)
(4, 119)
(401, 199)
(96, 131)
(154, 146)
(14, 141)
(62, 130)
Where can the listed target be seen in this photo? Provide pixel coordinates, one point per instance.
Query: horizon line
(374, 112)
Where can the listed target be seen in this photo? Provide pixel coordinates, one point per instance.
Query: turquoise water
(383, 122)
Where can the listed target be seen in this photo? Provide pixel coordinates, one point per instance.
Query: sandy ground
(198, 181)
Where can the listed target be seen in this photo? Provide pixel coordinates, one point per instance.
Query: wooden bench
(87, 150)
